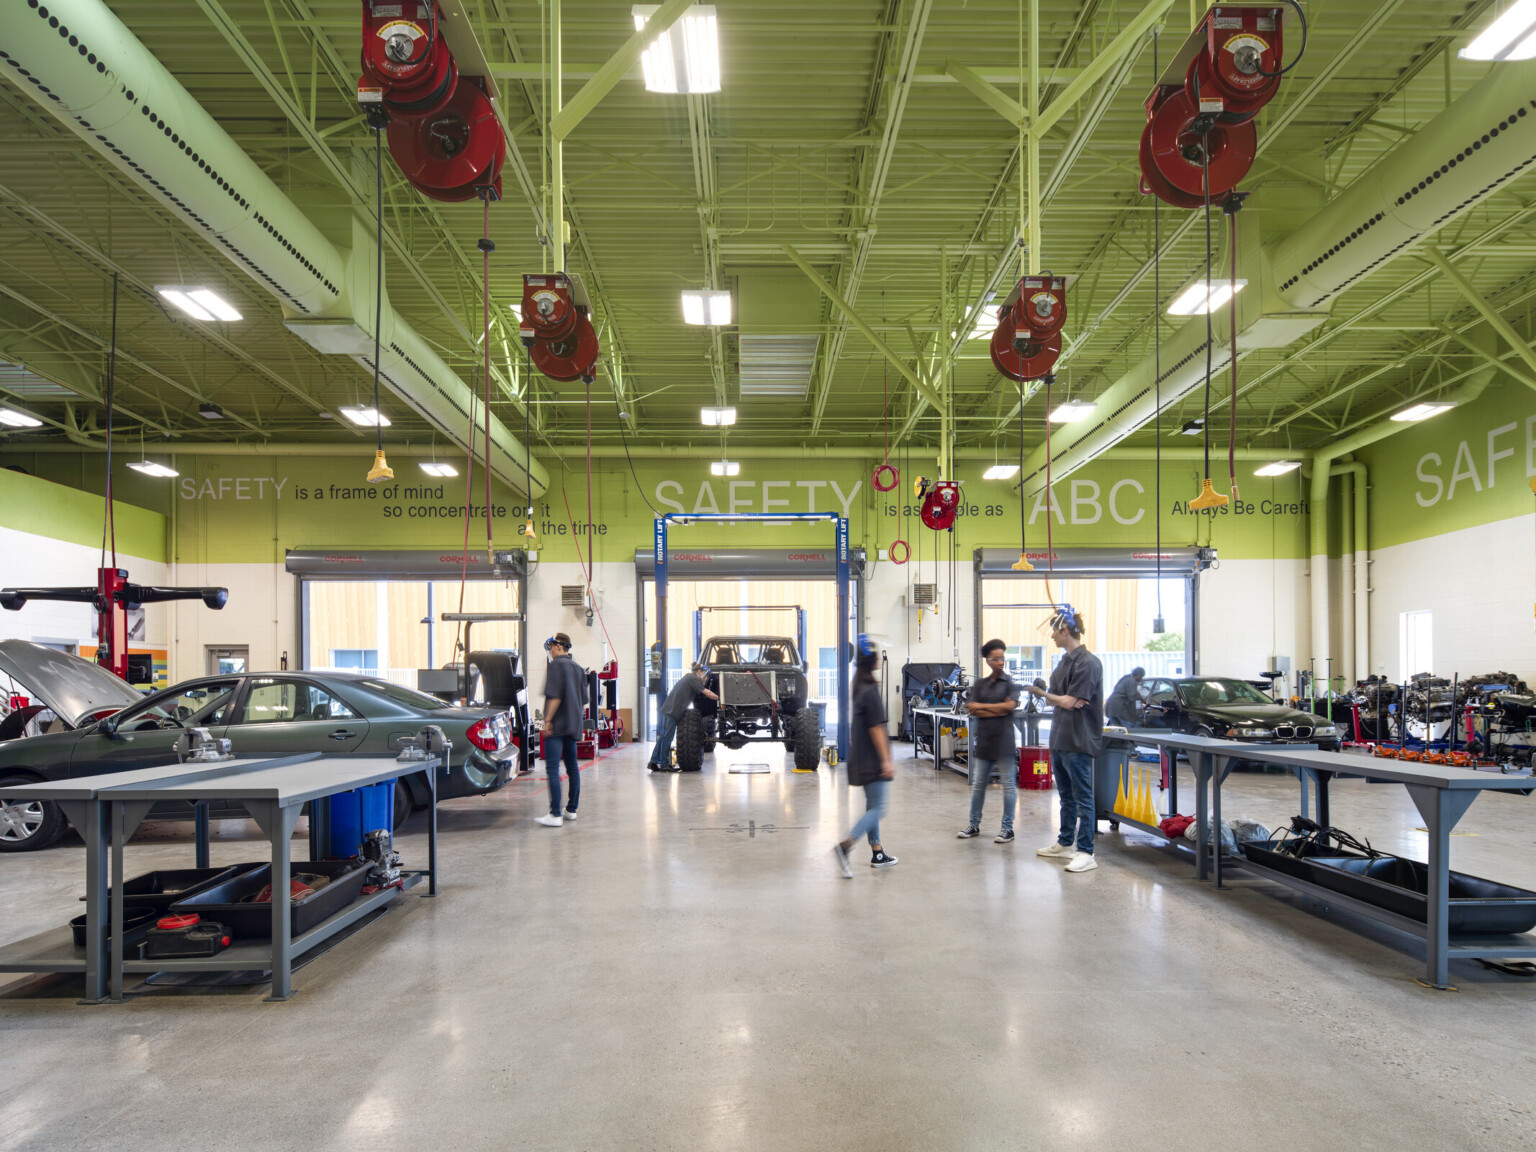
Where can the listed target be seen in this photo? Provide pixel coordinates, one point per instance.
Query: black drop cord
(378, 275)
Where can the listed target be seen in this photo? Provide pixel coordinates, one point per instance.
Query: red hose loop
(885, 472)
(906, 551)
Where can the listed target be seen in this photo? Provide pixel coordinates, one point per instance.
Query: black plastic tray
(159, 890)
(1402, 886)
(1262, 853)
(222, 901)
(137, 923)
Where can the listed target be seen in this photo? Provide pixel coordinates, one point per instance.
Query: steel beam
(1487, 357)
(565, 120)
(1099, 66)
(988, 93)
(1488, 312)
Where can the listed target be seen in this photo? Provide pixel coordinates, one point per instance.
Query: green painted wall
(44, 508)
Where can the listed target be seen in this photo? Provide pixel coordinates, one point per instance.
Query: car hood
(1265, 715)
(73, 688)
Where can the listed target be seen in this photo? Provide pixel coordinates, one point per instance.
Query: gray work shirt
(681, 697)
(566, 681)
(1124, 701)
(1078, 729)
(994, 739)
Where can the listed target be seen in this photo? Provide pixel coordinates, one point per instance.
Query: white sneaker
(550, 821)
(569, 815)
(1056, 851)
(1083, 862)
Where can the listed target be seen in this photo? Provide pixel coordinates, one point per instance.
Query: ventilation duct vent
(925, 595)
(573, 596)
(777, 365)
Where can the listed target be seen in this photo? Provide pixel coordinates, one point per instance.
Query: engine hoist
(1029, 322)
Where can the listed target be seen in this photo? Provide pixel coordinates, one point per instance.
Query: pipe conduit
(79, 61)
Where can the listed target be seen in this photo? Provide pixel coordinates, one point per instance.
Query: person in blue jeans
(869, 761)
(673, 709)
(1076, 693)
(565, 694)
(991, 704)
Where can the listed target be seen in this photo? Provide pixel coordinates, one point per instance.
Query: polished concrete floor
(683, 968)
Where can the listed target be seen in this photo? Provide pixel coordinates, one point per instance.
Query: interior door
(283, 715)
(145, 735)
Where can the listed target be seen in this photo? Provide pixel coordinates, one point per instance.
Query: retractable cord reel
(557, 327)
(941, 502)
(443, 132)
(1029, 322)
(1199, 139)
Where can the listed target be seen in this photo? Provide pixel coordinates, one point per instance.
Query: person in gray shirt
(673, 709)
(991, 705)
(1076, 696)
(565, 696)
(1124, 703)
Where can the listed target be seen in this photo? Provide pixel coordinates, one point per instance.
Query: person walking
(565, 692)
(869, 760)
(991, 704)
(673, 709)
(1076, 693)
(1123, 705)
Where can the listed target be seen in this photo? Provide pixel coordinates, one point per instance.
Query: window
(355, 659)
(1161, 694)
(198, 706)
(403, 695)
(284, 701)
(1203, 692)
(1416, 647)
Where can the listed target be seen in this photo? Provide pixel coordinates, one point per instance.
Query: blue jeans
(877, 802)
(981, 776)
(661, 755)
(1074, 782)
(556, 749)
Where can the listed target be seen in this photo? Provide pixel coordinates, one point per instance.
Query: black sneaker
(882, 860)
(842, 861)
(968, 833)
(1003, 838)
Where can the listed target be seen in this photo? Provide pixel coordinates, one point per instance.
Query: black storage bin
(159, 890)
(222, 902)
(1262, 853)
(137, 923)
(1402, 886)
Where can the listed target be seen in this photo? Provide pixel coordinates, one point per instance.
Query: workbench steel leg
(280, 823)
(116, 817)
(1171, 771)
(1200, 764)
(1323, 816)
(432, 831)
(1305, 779)
(89, 819)
(201, 821)
(1218, 773)
(1441, 810)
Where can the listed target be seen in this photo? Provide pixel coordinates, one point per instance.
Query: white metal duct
(82, 64)
(1471, 150)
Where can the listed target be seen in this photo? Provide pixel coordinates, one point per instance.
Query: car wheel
(27, 825)
(807, 741)
(690, 742)
(404, 806)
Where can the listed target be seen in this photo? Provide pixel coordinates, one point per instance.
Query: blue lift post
(844, 581)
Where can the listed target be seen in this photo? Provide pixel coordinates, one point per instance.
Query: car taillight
(482, 735)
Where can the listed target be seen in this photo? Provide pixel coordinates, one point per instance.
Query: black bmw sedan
(1231, 709)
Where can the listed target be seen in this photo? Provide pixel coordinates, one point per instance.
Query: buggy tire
(28, 826)
(807, 740)
(495, 675)
(690, 742)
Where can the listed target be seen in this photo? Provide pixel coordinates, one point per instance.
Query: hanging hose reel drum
(557, 327)
(941, 505)
(405, 54)
(452, 153)
(1029, 322)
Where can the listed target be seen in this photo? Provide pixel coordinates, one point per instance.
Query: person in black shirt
(991, 704)
(1076, 693)
(676, 705)
(869, 760)
(565, 695)
(1124, 703)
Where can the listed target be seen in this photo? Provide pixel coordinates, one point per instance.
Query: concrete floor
(683, 968)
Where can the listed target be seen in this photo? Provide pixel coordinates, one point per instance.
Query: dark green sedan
(262, 714)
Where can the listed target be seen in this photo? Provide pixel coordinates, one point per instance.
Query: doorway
(227, 661)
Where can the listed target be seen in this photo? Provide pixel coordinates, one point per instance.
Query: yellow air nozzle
(381, 470)
(1208, 498)
(1023, 565)
(1122, 801)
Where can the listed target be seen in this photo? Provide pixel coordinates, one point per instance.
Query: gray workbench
(273, 792)
(1027, 722)
(1441, 794)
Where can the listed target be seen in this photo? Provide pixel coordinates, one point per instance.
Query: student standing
(991, 704)
(869, 760)
(565, 693)
(676, 706)
(1076, 693)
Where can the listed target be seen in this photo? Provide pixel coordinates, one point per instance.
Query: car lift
(843, 589)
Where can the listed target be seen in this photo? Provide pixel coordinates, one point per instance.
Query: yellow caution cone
(1140, 814)
(1122, 807)
(1153, 816)
(1208, 498)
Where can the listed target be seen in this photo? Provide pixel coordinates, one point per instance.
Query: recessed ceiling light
(210, 411)
(725, 468)
(1423, 411)
(1000, 472)
(198, 303)
(707, 307)
(686, 57)
(1277, 468)
(434, 468)
(717, 417)
(366, 417)
(14, 419)
(1511, 37)
(150, 468)
(1205, 296)
(1070, 411)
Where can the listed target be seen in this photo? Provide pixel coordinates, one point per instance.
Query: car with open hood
(60, 691)
(1230, 708)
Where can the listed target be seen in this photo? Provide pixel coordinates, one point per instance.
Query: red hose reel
(557, 327)
(1029, 322)
(1199, 139)
(443, 132)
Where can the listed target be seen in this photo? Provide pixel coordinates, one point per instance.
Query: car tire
(404, 805)
(690, 742)
(807, 740)
(28, 827)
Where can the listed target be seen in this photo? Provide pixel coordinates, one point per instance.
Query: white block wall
(39, 561)
(1251, 610)
(262, 614)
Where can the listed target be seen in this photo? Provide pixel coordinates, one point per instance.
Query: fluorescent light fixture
(1071, 411)
(686, 57)
(1277, 468)
(1001, 472)
(434, 468)
(150, 468)
(707, 307)
(1205, 296)
(725, 468)
(1511, 37)
(14, 419)
(1422, 411)
(198, 303)
(717, 417)
(366, 417)
(209, 411)
(1192, 427)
